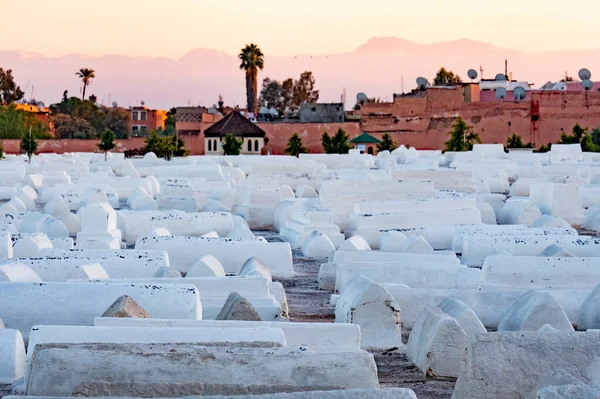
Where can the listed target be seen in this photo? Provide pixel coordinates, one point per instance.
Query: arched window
(256, 145)
(249, 145)
(215, 146)
(209, 145)
(370, 150)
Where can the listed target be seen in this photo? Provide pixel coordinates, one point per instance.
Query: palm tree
(252, 59)
(86, 75)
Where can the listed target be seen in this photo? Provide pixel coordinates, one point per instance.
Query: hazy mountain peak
(199, 53)
(385, 43)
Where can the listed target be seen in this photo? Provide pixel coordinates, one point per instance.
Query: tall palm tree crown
(86, 75)
(252, 60)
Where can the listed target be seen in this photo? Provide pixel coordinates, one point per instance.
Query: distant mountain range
(378, 68)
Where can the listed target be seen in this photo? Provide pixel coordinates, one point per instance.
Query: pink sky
(172, 28)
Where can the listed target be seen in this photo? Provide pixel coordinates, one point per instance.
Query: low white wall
(79, 303)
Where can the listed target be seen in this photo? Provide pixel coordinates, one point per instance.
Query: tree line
(338, 143)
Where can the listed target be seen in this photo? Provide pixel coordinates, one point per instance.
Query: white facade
(251, 145)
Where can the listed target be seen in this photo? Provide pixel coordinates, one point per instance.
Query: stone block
(124, 370)
(126, 306)
(206, 266)
(511, 364)
(465, 316)
(531, 311)
(18, 272)
(369, 305)
(317, 245)
(238, 308)
(437, 344)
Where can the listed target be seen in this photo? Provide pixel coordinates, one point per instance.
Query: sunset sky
(284, 27)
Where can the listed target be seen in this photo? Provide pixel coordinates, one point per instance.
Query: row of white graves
(462, 250)
(510, 309)
(105, 265)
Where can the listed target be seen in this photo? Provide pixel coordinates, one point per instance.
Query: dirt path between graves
(309, 304)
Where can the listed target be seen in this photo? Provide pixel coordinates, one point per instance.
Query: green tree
(252, 60)
(170, 122)
(86, 75)
(337, 144)
(180, 149)
(287, 93)
(117, 120)
(29, 144)
(232, 145)
(515, 141)
(295, 146)
(14, 124)
(581, 135)
(99, 117)
(462, 137)
(72, 127)
(588, 145)
(9, 91)
(386, 143)
(446, 78)
(271, 95)
(304, 90)
(545, 148)
(164, 146)
(107, 142)
(153, 143)
(596, 135)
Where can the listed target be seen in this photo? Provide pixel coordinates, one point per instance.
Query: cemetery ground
(309, 304)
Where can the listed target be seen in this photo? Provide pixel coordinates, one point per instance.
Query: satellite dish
(472, 74)
(362, 98)
(585, 74)
(263, 110)
(212, 111)
(421, 82)
(143, 103)
(40, 104)
(519, 93)
(273, 112)
(500, 93)
(587, 84)
(115, 104)
(500, 77)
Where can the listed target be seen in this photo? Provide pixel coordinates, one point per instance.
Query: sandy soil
(309, 304)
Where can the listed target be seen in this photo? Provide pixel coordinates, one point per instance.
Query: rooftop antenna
(519, 93)
(481, 71)
(506, 68)
(361, 98)
(402, 83)
(585, 74)
(472, 74)
(500, 93)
